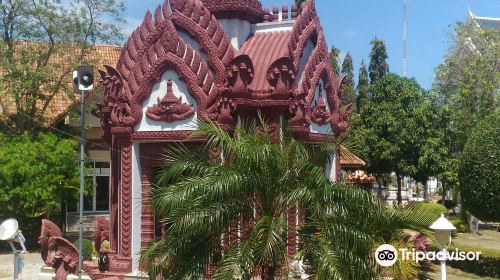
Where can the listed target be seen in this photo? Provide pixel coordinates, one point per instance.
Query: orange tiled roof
(62, 103)
(349, 160)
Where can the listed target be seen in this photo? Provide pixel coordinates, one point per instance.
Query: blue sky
(351, 24)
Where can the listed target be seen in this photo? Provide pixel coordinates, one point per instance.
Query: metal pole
(405, 19)
(443, 266)
(16, 266)
(82, 178)
(443, 270)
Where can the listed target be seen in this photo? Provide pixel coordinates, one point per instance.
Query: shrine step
(73, 226)
(48, 273)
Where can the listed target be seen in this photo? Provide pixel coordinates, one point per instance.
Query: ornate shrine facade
(212, 59)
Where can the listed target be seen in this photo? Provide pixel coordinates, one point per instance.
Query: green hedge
(479, 170)
(487, 265)
(88, 249)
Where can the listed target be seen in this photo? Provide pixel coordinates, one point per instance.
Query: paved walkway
(32, 264)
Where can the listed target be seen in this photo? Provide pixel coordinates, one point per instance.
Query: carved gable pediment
(170, 108)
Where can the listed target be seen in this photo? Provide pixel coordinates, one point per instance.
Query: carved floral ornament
(240, 74)
(170, 108)
(281, 76)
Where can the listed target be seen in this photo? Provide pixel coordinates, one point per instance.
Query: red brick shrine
(212, 59)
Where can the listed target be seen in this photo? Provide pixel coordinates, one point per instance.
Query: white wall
(272, 26)
(331, 166)
(160, 90)
(136, 206)
(100, 155)
(306, 54)
(237, 31)
(432, 185)
(192, 43)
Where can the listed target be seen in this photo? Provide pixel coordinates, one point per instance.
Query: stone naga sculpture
(49, 229)
(56, 251)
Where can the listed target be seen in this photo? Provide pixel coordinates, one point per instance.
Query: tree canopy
(378, 67)
(394, 131)
(466, 88)
(479, 171)
(299, 5)
(363, 86)
(349, 93)
(467, 82)
(36, 174)
(334, 59)
(41, 43)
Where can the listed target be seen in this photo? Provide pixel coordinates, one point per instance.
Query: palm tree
(226, 214)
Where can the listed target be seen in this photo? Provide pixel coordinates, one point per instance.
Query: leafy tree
(467, 82)
(466, 86)
(36, 174)
(392, 130)
(250, 190)
(363, 86)
(433, 157)
(334, 59)
(41, 42)
(299, 5)
(479, 171)
(349, 93)
(378, 67)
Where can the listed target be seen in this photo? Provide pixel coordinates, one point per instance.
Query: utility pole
(83, 80)
(405, 20)
(82, 178)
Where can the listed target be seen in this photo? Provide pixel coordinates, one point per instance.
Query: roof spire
(250, 10)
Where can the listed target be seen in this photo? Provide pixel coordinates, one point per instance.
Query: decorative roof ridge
(250, 10)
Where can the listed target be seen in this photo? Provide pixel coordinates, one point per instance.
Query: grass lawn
(455, 274)
(487, 239)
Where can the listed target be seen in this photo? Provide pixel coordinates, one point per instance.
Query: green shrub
(479, 171)
(449, 204)
(88, 249)
(487, 265)
(439, 191)
(460, 225)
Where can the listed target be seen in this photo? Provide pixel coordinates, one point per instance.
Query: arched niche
(315, 127)
(306, 54)
(158, 92)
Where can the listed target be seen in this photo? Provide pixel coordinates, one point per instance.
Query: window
(102, 193)
(99, 200)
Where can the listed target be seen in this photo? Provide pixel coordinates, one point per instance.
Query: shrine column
(121, 260)
(129, 218)
(331, 167)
